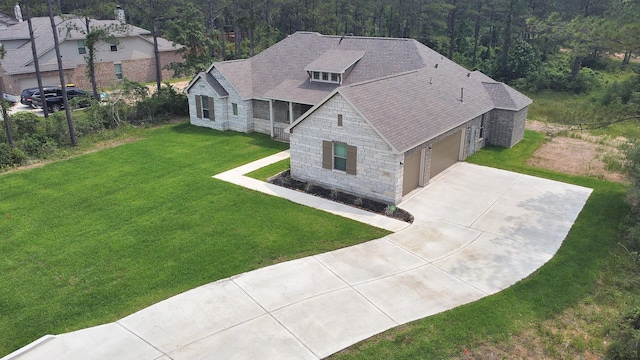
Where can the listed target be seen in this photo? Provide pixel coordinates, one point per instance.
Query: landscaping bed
(284, 179)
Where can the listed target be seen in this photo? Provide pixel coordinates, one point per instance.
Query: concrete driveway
(477, 231)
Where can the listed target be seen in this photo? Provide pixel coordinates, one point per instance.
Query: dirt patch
(284, 179)
(581, 154)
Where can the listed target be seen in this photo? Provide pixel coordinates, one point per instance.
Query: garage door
(411, 179)
(445, 153)
(33, 82)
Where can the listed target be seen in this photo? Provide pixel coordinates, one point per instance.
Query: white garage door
(33, 82)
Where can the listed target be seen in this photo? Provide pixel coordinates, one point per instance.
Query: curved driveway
(477, 230)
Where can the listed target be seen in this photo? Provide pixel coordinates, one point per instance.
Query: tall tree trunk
(476, 34)
(34, 53)
(5, 116)
(91, 61)
(156, 55)
(627, 58)
(223, 41)
(380, 17)
(65, 99)
(506, 45)
(452, 29)
(236, 30)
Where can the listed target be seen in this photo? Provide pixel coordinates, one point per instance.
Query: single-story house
(374, 117)
(131, 57)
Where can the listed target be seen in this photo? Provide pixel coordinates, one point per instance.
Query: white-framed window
(234, 106)
(325, 77)
(482, 123)
(118, 70)
(113, 46)
(81, 48)
(340, 156)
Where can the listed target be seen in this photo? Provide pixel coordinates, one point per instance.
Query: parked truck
(54, 100)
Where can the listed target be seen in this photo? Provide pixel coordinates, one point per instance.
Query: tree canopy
(507, 39)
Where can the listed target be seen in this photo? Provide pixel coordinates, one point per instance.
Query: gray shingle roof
(335, 61)
(304, 92)
(18, 61)
(238, 73)
(211, 81)
(408, 109)
(408, 92)
(505, 97)
(287, 59)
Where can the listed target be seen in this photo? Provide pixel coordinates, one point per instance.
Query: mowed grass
(94, 238)
(270, 170)
(566, 280)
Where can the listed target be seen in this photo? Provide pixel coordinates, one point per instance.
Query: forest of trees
(551, 44)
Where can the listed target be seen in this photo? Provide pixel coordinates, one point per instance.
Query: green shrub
(626, 337)
(11, 157)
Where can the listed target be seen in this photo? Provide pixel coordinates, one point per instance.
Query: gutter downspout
(271, 116)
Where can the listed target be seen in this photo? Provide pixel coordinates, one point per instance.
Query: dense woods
(547, 42)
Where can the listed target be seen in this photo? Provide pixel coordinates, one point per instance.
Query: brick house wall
(507, 127)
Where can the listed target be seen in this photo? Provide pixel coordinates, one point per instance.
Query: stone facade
(231, 112)
(219, 111)
(378, 172)
(507, 127)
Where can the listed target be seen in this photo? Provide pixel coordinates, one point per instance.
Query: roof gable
(211, 82)
(505, 97)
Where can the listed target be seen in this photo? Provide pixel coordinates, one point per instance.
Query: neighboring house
(374, 117)
(131, 57)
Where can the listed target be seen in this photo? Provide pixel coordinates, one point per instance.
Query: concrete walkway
(477, 231)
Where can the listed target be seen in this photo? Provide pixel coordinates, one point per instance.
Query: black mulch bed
(284, 179)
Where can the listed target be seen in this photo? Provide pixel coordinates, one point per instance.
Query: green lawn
(94, 238)
(566, 280)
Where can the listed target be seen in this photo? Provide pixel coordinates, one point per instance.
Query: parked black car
(25, 96)
(54, 101)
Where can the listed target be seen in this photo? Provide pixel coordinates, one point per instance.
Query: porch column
(290, 112)
(271, 116)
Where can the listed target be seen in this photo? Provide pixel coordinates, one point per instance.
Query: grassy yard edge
(565, 280)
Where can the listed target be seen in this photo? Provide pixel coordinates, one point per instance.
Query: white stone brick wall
(243, 122)
(379, 173)
(200, 88)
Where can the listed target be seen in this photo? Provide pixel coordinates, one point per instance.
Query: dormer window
(325, 77)
(334, 66)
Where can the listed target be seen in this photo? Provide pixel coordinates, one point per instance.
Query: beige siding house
(373, 117)
(131, 57)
